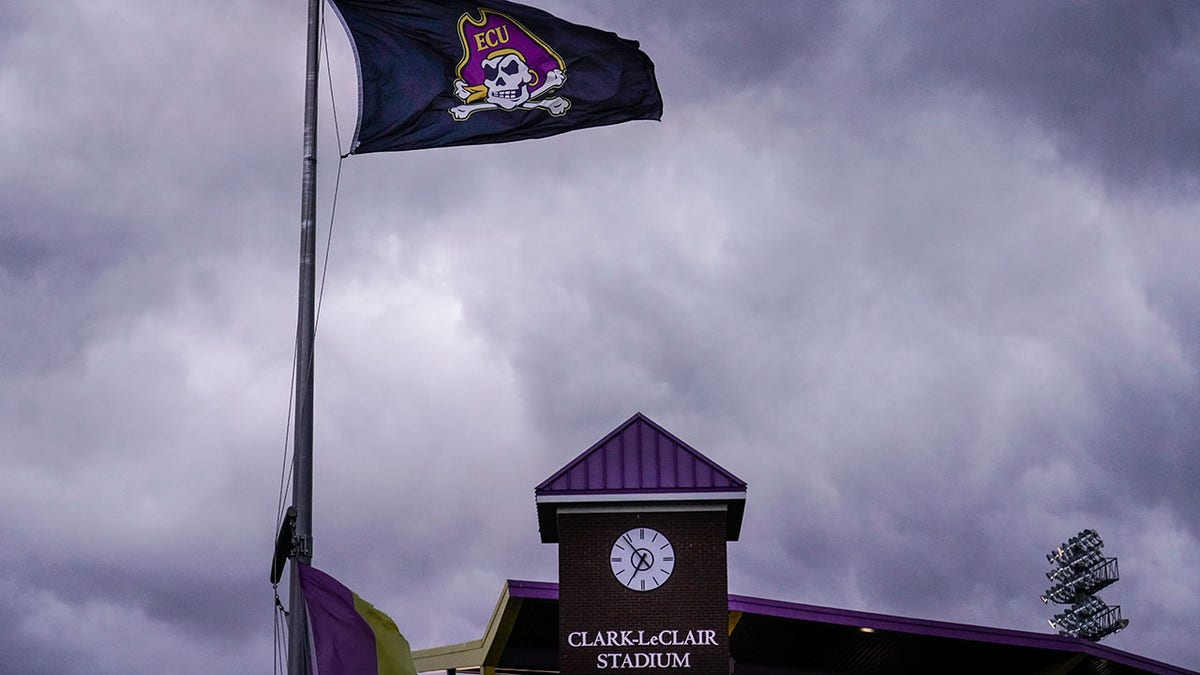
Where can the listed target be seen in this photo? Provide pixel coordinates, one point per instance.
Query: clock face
(642, 559)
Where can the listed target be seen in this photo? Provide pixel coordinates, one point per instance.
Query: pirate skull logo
(505, 67)
(507, 79)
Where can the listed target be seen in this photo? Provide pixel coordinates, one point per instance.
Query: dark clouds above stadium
(921, 273)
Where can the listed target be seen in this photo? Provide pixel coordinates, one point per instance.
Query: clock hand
(636, 568)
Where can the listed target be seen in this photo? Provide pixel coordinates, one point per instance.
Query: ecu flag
(435, 73)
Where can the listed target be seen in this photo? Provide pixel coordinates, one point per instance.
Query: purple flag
(350, 636)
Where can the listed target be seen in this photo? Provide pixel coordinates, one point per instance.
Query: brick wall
(690, 610)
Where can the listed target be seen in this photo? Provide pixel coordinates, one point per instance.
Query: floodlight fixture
(1080, 570)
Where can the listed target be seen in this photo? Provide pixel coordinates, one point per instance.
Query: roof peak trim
(723, 495)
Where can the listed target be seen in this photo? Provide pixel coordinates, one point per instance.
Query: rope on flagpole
(337, 181)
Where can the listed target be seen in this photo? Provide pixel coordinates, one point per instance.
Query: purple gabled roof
(639, 457)
(639, 461)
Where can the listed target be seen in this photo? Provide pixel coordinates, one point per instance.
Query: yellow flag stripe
(392, 652)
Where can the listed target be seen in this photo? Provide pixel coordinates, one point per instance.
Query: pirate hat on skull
(498, 52)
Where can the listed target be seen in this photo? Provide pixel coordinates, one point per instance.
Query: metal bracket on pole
(285, 545)
(301, 548)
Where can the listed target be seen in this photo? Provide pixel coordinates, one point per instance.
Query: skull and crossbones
(506, 82)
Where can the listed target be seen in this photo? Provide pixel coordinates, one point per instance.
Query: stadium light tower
(1080, 571)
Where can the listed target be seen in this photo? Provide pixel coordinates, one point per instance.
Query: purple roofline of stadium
(544, 590)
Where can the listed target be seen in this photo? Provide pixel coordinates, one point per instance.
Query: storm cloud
(922, 274)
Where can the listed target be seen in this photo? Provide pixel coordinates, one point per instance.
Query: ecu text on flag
(435, 73)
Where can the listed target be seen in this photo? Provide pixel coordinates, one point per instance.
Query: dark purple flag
(350, 636)
(436, 73)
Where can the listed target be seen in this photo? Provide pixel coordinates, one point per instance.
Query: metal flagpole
(299, 662)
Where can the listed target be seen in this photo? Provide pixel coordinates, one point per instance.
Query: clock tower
(641, 520)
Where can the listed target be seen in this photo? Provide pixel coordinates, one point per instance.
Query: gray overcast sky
(922, 273)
